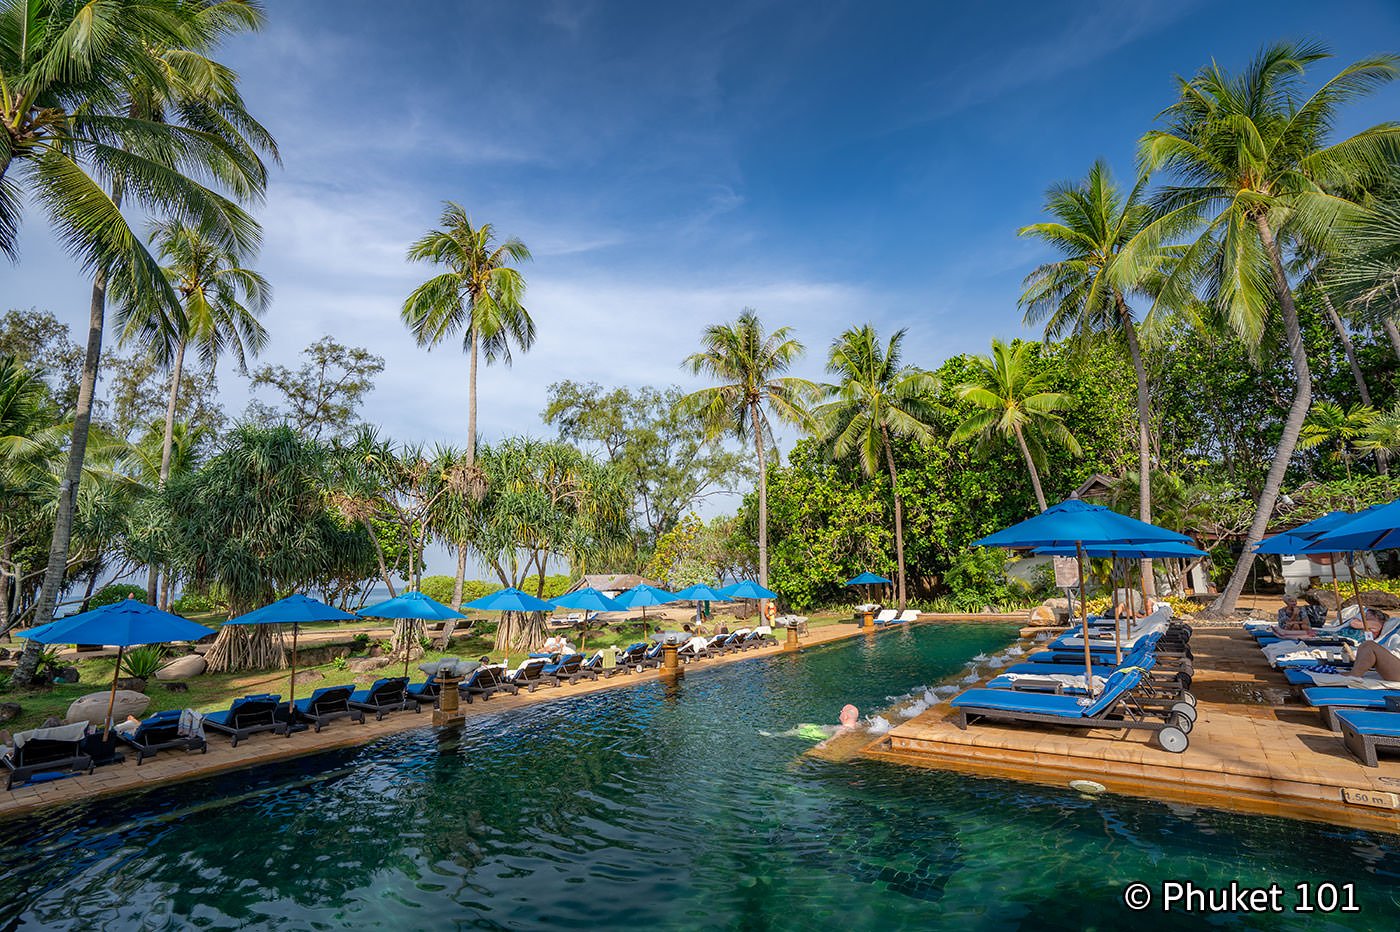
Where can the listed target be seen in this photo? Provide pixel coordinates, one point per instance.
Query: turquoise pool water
(660, 807)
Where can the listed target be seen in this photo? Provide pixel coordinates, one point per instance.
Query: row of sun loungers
(1149, 690)
(1365, 710)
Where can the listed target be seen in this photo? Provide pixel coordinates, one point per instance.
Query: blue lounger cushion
(1382, 724)
(1006, 700)
(1319, 696)
(222, 716)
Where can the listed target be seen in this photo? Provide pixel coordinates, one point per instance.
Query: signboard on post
(1066, 572)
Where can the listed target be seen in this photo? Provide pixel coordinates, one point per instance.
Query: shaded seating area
(385, 695)
(246, 717)
(161, 732)
(46, 754)
(486, 682)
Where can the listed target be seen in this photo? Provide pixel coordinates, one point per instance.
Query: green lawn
(215, 691)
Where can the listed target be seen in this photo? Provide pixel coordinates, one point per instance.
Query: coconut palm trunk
(1292, 425)
(898, 522)
(1030, 467)
(762, 497)
(167, 445)
(1144, 439)
(1348, 348)
(57, 567)
(460, 581)
(1393, 333)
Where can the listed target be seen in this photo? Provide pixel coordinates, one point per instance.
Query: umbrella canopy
(509, 600)
(1373, 529)
(867, 579)
(748, 589)
(700, 593)
(293, 610)
(1303, 538)
(411, 605)
(588, 599)
(122, 624)
(1126, 551)
(1075, 522)
(642, 595)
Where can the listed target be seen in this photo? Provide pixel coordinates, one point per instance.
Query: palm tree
(749, 366)
(1254, 172)
(27, 444)
(1012, 400)
(876, 400)
(1382, 433)
(1085, 292)
(119, 91)
(220, 305)
(479, 295)
(1329, 423)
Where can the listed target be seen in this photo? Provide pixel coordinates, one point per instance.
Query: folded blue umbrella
(510, 599)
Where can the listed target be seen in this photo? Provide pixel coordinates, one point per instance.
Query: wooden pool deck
(176, 766)
(1256, 747)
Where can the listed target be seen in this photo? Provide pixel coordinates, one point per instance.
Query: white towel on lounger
(1068, 680)
(1352, 682)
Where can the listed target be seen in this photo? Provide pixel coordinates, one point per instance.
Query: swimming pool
(658, 806)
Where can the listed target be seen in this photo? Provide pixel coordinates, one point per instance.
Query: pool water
(660, 807)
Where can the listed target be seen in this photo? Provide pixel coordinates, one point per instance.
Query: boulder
(309, 676)
(1323, 597)
(366, 664)
(67, 675)
(1042, 615)
(135, 684)
(177, 687)
(1382, 600)
(9, 711)
(93, 707)
(182, 668)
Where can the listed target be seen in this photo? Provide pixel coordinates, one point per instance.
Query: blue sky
(825, 163)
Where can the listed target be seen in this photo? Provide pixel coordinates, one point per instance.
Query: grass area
(210, 692)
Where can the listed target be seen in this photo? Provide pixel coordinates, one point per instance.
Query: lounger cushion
(1009, 701)
(1381, 724)
(1319, 696)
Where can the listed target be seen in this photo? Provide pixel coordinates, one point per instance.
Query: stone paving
(171, 766)
(1255, 747)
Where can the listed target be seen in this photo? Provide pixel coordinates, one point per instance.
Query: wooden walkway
(1256, 747)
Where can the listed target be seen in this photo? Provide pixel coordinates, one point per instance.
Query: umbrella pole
(292, 681)
(1084, 621)
(112, 702)
(1355, 589)
(1117, 638)
(1337, 587)
(406, 648)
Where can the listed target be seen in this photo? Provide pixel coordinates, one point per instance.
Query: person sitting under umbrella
(1293, 623)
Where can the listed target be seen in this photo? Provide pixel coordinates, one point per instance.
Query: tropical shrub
(192, 603)
(143, 662)
(116, 592)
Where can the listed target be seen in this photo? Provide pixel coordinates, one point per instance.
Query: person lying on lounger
(1127, 603)
(1369, 654)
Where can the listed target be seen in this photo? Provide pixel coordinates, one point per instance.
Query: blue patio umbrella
(1306, 539)
(294, 610)
(124, 624)
(1079, 524)
(407, 606)
(748, 589)
(510, 599)
(642, 595)
(587, 600)
(1166, 549)
(868, 579)
(700, 593)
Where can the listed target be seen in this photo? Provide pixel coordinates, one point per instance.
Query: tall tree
(749, 365)
(1010, 398)
(876, 400)
(105, 103)
(479, 296)
(220, 302)
(1085, 293)
(1253, 170)
(322, 397)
